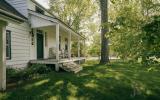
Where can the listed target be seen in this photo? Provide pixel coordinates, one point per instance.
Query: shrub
(27, 73)
(12, 74)
(40, 69)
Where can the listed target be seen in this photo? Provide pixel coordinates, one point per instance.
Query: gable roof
(8, 10)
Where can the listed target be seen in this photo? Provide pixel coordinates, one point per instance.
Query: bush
(39, 69)
(27, 73)
(12, 73)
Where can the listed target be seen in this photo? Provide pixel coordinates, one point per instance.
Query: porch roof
(39, 20)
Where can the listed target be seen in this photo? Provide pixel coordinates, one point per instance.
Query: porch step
(71, 67)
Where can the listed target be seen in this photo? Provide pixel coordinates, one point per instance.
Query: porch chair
(61, 54)
(66, 54)
(52, 53)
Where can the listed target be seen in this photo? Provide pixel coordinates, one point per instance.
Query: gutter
(12, 15)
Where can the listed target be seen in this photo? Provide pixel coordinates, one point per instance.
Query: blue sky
(43, 3)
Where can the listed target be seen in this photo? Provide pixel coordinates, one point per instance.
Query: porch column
(78, 47)
(57, 46)
(69, 46)
(2, 55)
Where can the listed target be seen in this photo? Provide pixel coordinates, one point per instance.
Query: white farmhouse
(29, 33)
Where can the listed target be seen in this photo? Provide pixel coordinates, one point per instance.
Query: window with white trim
(66, 44)
(8, 44)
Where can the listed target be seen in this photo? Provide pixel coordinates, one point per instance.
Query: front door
(40, 46)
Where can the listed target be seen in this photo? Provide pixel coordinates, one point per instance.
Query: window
(39, 31)
(46, 39)
(39, 10)
(60, 43)
(8, 45)
(66, 44)
(32, 37)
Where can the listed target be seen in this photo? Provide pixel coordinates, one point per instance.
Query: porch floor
(54, 61)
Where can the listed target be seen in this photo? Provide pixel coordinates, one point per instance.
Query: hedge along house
(31, 34)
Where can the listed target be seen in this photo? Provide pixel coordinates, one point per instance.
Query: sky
(44, 3)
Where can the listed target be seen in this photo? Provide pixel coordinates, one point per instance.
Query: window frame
(46, 39)
(66, 44)
(39, 10)
(60, 40)
(8, 44)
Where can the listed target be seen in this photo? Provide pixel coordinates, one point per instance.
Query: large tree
(104, 31)
(75, 13)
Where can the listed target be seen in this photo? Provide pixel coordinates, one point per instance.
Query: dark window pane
(39, 10)
(8, 45)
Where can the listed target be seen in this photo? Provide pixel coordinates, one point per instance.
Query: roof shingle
(8, 8)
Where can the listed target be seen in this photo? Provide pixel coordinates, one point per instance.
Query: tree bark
(104, 31)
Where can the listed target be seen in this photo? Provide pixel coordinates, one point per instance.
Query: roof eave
(12, 16)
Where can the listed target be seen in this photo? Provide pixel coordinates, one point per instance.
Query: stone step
(78, 70)
(71, 67)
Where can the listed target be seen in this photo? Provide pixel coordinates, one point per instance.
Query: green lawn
(116, 81)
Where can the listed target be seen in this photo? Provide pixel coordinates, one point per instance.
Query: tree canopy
(73, 12)
(134, 28)
(134, 25)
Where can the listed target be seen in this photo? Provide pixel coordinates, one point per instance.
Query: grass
(115, 81)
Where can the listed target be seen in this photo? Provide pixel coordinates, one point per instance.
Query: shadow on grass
(116, 81)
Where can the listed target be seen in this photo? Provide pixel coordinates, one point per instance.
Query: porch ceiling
(38, 22)
(65, 32)
(62, 32)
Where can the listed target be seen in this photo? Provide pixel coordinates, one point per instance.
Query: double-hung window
(8, 45)
(66, 44)
(60, 40)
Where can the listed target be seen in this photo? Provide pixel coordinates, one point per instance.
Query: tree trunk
(104, 30)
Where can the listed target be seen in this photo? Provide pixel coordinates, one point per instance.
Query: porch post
(57, 46)
(69, 46)
(2, 55)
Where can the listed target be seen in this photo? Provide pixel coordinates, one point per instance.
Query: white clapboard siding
(23, 26)
(20, 45)
(19, 66)
(20, 5)
(12, 63)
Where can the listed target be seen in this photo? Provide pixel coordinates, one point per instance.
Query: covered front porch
(51, 41)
